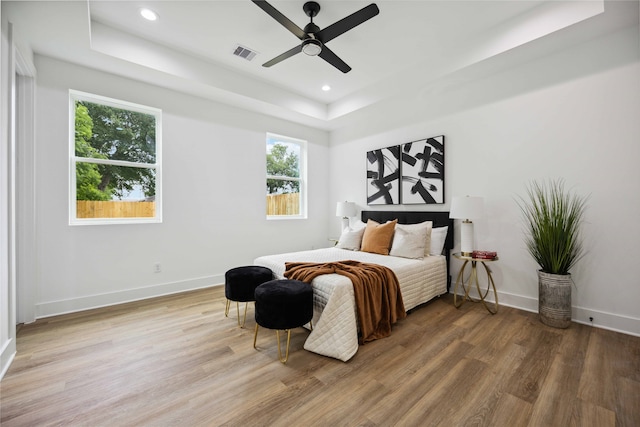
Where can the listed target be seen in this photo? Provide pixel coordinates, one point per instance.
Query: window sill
(285, 217)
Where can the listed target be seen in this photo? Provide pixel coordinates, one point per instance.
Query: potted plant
(553, 218)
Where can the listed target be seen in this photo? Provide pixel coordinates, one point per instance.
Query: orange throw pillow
(377, 237)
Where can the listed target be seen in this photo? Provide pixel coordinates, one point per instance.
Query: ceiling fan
(314, 39)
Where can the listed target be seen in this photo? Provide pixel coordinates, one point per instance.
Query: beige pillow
(423, 227)
(377, 237)
(411, 240)
(351, 239)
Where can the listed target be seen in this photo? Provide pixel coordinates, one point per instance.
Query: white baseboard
(610, 321)
(6, 356)
(71, 305)
(613, 322)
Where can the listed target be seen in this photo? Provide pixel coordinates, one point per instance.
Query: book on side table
(484, 254)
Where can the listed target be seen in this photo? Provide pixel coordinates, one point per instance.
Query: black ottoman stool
(283, 305)
(240, 284)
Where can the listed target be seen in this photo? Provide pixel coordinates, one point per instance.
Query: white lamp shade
(467, 207)
(346, 209)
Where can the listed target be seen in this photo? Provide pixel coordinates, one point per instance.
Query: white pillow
(412, 240)
(438, 236)
(351, 238)
(357, 225)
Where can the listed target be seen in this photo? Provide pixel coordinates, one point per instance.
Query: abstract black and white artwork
(383, 176)
(422, 169)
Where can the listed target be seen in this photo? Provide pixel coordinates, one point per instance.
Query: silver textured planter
(554, 299)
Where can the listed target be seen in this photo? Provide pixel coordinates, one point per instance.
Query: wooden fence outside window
(114, 209)
(277, 204)
(283, 204)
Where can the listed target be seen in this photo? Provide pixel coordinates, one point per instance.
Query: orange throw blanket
(377, 292)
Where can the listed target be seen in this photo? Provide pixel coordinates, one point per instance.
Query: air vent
(244, 52)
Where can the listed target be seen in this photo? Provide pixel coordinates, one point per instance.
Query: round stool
(240, 285)
(283, 305)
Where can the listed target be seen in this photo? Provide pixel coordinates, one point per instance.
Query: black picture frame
(383, 176)
(422, 171)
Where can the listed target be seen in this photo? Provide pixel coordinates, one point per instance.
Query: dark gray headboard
(439, 219)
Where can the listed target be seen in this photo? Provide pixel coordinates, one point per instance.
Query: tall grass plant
(553, 218)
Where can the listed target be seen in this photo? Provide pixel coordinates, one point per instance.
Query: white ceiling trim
(221, 83)
(65, 30)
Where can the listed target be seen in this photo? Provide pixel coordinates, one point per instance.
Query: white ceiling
(408, 46)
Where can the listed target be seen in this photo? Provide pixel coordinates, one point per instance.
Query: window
(286, 177)
(115, 161)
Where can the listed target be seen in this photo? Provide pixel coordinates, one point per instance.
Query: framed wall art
(383, 176)
(422, 171)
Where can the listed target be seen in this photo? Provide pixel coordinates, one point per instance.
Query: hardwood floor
(177, 360)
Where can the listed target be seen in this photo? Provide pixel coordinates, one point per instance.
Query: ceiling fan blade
(345, 24)
(282, 57)
(283, 20)
(328, 55)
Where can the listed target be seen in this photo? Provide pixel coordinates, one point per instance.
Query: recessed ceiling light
(326, 88)
(148, 14)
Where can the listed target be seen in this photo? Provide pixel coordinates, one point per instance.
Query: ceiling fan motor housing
(311, 28)
(310, 45)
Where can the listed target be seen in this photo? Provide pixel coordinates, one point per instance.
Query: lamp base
(466, 238)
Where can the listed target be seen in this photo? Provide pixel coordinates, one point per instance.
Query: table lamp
(346, 210)
(467, 208)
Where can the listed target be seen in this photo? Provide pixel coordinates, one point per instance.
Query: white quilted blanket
(335, 328)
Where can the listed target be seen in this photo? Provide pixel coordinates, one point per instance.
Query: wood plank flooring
(177, 360)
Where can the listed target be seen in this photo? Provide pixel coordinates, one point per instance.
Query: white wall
(213, 198)
(7, 284)
(573, 115)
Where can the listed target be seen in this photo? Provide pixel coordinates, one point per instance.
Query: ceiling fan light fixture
(312, 47)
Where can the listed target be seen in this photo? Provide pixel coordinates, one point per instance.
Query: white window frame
(74, 96)
(302, 165)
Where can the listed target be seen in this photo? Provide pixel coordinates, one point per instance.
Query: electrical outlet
(156, 267)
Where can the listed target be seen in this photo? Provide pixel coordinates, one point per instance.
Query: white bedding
(335, 329)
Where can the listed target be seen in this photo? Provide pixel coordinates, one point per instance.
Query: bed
(335, 325)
